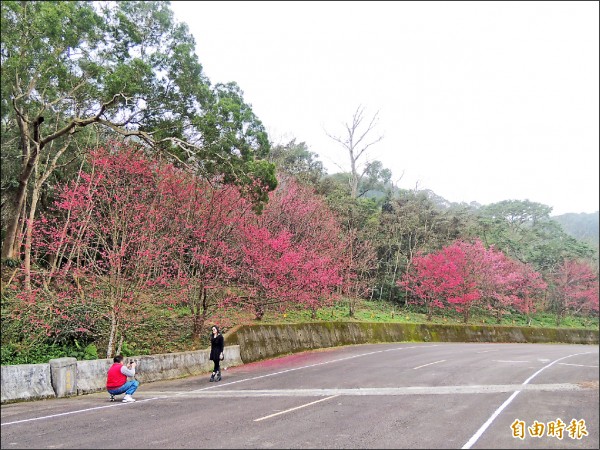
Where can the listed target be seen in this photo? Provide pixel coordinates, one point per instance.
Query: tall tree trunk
(395, 272)
(259, 311)
(38, 183)
(30, 158)
(113, 333)
(120, 345)
(200, 313)
(28, 236)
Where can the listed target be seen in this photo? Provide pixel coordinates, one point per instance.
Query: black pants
(217, 365)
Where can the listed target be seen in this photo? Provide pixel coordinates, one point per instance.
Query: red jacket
(115, 378)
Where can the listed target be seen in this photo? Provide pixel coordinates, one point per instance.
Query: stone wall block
(64, 376)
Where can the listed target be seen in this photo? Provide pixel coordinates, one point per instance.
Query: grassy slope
(169, 329)
(174, 333)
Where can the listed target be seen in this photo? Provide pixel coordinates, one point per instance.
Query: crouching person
(116, 379)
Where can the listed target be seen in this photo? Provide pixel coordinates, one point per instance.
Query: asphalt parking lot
(401, 395)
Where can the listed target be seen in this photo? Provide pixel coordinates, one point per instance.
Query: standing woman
(217, 344)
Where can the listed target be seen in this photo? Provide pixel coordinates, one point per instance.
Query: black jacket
(217, 344)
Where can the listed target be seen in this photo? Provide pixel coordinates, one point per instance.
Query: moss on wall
(269, 340)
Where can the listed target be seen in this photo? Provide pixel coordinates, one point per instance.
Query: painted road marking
(334, 392)
(504, 361)
(488, 422)
(425, 365)
(79, 411)
(578, 365)
(294, 409)
(408, 390)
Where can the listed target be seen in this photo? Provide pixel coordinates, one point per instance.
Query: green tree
(409, 222)
(524, 231)
(294, 158)
(376, 182)
(73, 71)
(358, 219)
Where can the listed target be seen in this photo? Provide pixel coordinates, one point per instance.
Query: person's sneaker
(218, 376)
(128, 399)
(212, 377)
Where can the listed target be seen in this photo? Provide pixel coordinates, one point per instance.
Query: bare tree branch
(355, 146)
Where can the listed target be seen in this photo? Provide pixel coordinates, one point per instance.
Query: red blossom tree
(513, 285)
(131, 230)
(291, 252)
(575, 289)
(464, 274)
(432, 278)
(112, 236)
(206, 255)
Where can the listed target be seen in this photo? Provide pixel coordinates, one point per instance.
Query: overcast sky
(477, 101)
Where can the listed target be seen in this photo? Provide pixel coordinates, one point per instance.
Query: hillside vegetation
(142, 203)
(167, 331)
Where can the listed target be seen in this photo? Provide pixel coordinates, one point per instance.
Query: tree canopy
(75, 71)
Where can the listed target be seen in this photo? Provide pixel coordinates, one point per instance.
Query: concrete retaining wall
(26, 382)
(64, 377)
(166, 366)
(266, 341)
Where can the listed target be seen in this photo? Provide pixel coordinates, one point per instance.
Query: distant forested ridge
(582, 226)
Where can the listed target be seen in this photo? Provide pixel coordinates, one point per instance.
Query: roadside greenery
(167, 331)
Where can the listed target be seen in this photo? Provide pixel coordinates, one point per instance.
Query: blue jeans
(128, 388)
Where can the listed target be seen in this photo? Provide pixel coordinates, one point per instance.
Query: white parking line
(508, 361)
(488, 422)
(294, 409)
(78, 411)
(407, 390)
(429, 364)
(577, 365)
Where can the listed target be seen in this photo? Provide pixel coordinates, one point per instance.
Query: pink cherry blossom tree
(464, 274)
(575, 289)
(112, 236)
(291, 252)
